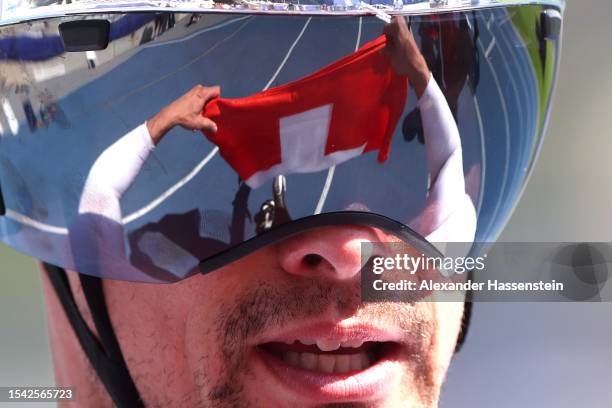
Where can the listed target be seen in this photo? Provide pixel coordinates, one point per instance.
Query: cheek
(149, 321)
(209, 299)
(448, 317)
(426, 372)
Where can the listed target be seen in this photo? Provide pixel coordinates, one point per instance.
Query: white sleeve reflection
(449, 214)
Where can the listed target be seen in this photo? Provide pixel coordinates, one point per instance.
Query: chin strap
(104, 352)
(467, 316)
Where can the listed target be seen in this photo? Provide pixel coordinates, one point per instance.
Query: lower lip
(364, 385)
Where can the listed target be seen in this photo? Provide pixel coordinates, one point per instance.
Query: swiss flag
(346, 109)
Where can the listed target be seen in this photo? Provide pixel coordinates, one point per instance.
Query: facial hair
(263, 306)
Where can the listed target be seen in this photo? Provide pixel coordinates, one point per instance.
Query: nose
(330, 252)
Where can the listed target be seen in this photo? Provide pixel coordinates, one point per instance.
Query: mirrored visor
(318, 119)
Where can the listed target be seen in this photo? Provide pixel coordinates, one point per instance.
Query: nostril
(312, 260)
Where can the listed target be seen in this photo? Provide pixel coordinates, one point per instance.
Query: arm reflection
(449, 214)
(97, 237)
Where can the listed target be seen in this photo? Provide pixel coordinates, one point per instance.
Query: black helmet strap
(104, 352)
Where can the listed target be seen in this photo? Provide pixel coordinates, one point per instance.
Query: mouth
(329, 356)
(333, 365)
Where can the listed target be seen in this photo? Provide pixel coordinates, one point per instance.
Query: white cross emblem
(303, 138)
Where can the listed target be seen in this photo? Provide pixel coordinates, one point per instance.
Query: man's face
(281, 327)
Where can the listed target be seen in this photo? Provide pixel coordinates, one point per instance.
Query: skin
(185, 112)
(193, 343)
(405, 56)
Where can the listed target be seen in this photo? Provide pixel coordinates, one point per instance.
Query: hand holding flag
(405, 56)
(185, 112)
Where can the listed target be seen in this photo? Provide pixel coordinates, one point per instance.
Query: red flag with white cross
(348, 108)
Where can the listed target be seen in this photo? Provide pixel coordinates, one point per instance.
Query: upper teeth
(336, 363)
(352, 343)
(329, 345)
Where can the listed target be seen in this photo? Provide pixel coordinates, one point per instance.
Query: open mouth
(329, 356)
(333, 364)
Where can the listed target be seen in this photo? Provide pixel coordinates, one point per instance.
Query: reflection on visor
(344, 110)
(85, 188)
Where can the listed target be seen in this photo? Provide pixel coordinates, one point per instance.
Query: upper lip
(334, 331)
